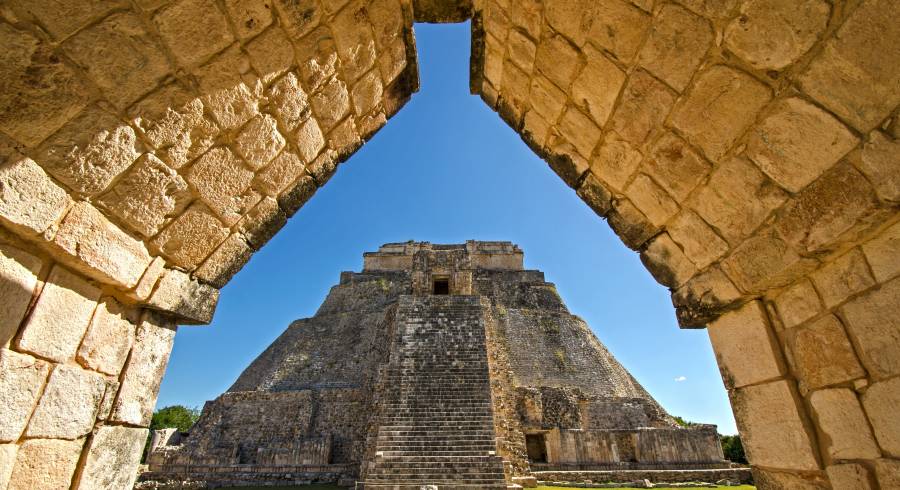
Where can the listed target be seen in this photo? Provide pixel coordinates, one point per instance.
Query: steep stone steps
(436, 418)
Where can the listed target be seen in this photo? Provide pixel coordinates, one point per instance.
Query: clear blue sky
(447, 169)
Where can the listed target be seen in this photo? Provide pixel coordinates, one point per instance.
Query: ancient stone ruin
(437, 364)
(746, 149)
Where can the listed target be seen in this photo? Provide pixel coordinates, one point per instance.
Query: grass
(335, 487)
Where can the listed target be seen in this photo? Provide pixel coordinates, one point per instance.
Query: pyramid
(447, 366)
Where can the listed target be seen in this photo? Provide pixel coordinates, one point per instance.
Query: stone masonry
(746, 149)
(437, 365)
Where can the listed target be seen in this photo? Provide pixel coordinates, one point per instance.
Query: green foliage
(177, 416)
(560, 358)
(733, 449)
(383, 284)
(684, 423)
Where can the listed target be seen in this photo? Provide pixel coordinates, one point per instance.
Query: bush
(733, 449)
(177, 416)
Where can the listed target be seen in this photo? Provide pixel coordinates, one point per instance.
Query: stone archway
(746, 149)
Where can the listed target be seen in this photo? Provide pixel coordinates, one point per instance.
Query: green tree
(733, 449)
(177, 416)
(684, 423)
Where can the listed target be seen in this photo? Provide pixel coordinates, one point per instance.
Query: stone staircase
(436, 427)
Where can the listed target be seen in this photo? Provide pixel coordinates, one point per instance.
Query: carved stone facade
(747, 149)
(396, 368)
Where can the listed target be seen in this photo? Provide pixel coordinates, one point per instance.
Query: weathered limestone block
(231, 91)
(873, 321)
(850, 476)
(21, 381)
(513, 94)
(147, 195)
(595, 195)
(703, 298)
(771, 35)
(69, 405)
(191, 237)
(222, 180)
(61, 19)
(737, 199)
(677, 167)
(271, 54)
(29, 201)
(344, 138)
(145, 286)
(174, 121)
(699, 242)
(789, 480)
(798, 304)
(46, 464)
(888, 473)
(722, 103)
(667, 263)
(120, 57)
(300, 16)
(144, 370)
(259, 141)
(566, 16)
(40, 92)
(296, 195)
(618, 27)
(844, 276)
(367, 93)
(310, 140)
(765, 260)
(643, 106)
(630, 224)
(840, 418)
(317, 54)
(580, 131)
(18, 277)
(283, 171)
(193, 30)
(112, 454)
(651, 199)
(289, 102)
(821, 353)
(616, 161)
(841, 205)
(521, 50)
(597, 87)
(535, 130)
(677, 44)
(557, 60)
(797, 142)
(745, 347)
(323, 167)
(90, 151)
(250, 16)
(108, 340)
(60, 317)
(109, 396)
(882, 252)
(878, 160)
(225, 262)
(880, 402)
(7, 462)
(354, 39)
(331, 104)
(772, 430)
(856, 74)
(101, 248)
(262, 222)
(190, 301)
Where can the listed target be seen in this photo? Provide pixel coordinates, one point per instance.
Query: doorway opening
(442, 286)
(536, 446)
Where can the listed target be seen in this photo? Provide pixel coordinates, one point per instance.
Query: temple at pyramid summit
(437, 366)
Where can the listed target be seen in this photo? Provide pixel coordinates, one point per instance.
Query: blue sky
(447, 169)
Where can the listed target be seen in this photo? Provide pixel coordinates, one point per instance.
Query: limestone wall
(643, 447)
(79, 375)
